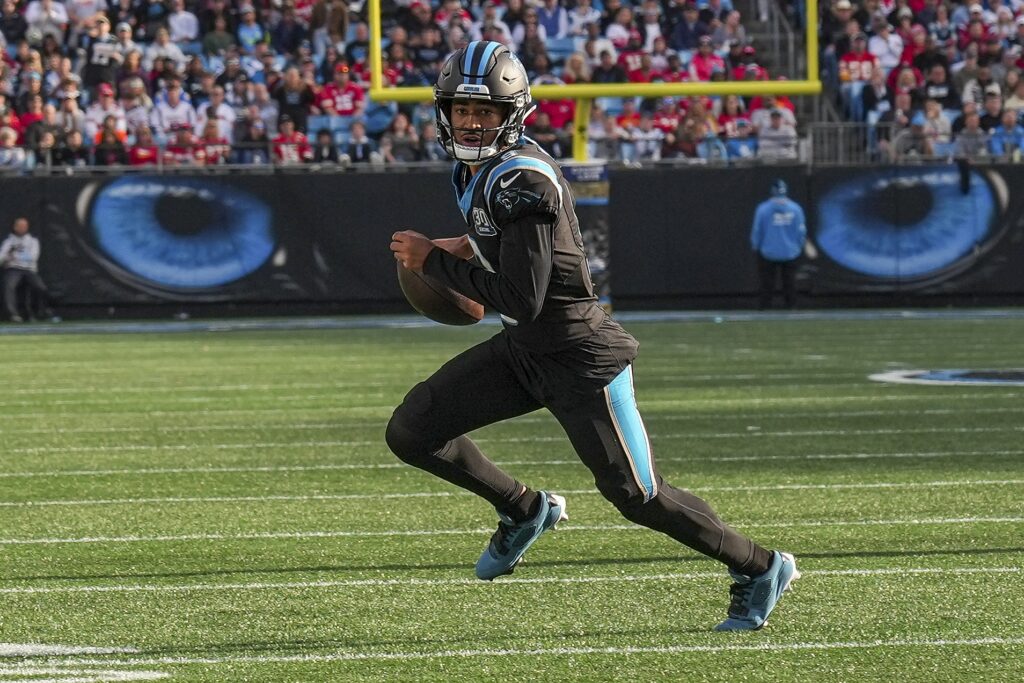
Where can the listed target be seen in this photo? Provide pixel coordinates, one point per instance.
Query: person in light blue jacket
(778, 237)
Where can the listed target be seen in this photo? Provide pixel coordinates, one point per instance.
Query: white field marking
(994, 393)
(449, 494)
(45, 649)
(74, 675)
(34, 450)
(300, 535)
(149, 471)
(346, 417)
(343, 423)
(204, 388)
(557, 652)
(476, 583)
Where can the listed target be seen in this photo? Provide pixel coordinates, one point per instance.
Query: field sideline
(214, 502)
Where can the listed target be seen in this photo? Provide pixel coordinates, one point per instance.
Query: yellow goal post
(584, 93)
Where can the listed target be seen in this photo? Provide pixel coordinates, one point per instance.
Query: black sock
(759, 562)
(524, 507)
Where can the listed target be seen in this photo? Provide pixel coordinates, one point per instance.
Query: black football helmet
(483, 70)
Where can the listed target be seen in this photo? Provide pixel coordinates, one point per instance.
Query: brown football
(437, 301)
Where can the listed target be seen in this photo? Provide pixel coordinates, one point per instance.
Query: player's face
(475, 123)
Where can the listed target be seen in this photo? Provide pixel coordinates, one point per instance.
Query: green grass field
(221, 506)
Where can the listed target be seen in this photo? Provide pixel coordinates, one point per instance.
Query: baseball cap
(341, 68)
(123, 26)
(918, 119)
(1020, 20)
(779, 187)
(285, 118)
(843, 4)
(705, 40)
(106, 89)
(975, 7)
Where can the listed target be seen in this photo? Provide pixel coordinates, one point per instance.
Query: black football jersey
(530, 266)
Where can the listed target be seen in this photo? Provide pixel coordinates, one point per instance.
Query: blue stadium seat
(316, 122)
(742, 148)
(378, 117)
(610, 105)
(560, 48)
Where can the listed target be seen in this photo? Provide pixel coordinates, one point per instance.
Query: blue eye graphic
(182, 233)
(907, 223)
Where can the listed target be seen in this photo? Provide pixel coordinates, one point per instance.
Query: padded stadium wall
(135, 245)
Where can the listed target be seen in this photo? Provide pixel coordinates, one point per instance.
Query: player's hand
(411, 249)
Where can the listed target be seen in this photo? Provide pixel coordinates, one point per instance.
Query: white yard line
(415, 582)
(300, 535)
(448, 494)
(870, 396)
(345, 418)
(352, 656)
(745, 434)
(149, 471)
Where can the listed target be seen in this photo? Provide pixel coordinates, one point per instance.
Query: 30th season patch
(1003, 378)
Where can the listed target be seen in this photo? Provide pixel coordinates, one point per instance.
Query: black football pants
(480, 387)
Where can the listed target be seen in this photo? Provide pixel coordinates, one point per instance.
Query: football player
(523, 256)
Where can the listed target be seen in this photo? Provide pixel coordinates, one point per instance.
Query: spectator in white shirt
(173, 112)
(163, 47)
(886, 45)
(49, 17)
(183, 25)
(778, 140)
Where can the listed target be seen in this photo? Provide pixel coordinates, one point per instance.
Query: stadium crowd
(929, 77)
(206, 82)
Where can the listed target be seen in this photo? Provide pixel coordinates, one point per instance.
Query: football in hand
(437, 301)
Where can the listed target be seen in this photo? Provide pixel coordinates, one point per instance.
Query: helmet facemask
(505, 135)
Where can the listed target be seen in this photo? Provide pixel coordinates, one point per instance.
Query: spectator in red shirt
(631, 56)
(729, 121)
(216, 148)
(704, 62)
(144, 152)
(290, 146)
(629, 118)
(183, 151)
(646, 73)
(341, 97)
(857, 65)
(666, 115)
(452, 13)
(915, 45)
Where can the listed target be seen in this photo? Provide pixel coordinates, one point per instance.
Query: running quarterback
(523, 257)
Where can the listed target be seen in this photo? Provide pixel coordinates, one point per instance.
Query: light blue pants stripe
(630, 428)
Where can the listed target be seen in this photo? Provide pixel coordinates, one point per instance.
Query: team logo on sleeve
(514, 196)
(481, 224)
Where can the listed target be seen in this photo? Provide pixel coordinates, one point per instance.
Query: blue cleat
(754, 598)
(510, 542)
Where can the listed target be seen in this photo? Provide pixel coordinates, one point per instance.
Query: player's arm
(457, 246)
(518, 289)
